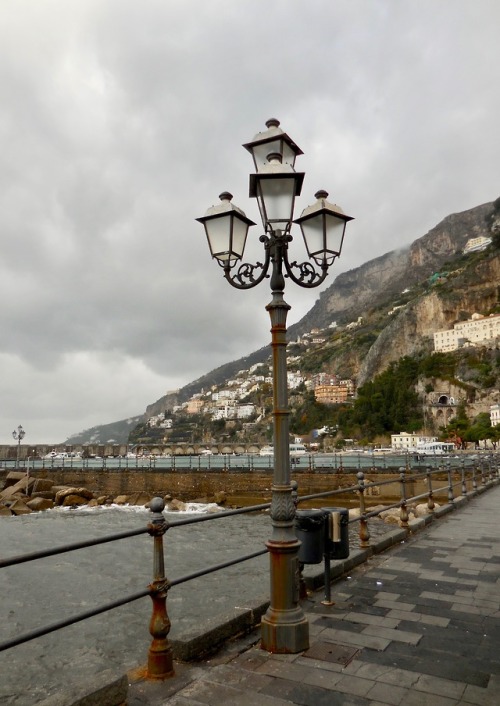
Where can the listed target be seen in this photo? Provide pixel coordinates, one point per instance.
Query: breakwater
(240, 488)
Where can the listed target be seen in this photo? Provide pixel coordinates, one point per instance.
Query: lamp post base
(285, 637)
(284, 627)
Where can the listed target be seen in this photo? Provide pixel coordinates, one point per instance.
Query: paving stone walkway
(418, 625)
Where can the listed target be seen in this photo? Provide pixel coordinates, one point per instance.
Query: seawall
(240, 488)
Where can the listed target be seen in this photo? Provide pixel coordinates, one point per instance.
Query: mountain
(395, 303)
(114, 433)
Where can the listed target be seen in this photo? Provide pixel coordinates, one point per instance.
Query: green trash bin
(309, 527)
(336, 533)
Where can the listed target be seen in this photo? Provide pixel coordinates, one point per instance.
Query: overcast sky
(122, 121)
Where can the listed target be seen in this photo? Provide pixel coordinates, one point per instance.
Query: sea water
(48, 590)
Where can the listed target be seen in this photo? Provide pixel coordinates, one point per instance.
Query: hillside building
(478, 330)
(495, 415)
(476, 244)
(409, 442)
(331, 394)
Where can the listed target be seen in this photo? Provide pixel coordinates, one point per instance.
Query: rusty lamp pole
(275, 185)
(18, 434)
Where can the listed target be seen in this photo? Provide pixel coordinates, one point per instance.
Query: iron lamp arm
(308, 275)
(245, 275)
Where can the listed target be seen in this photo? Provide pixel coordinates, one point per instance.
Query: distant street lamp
(18, 435)
(275, 185)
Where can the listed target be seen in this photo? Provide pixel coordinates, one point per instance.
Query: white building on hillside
(409, 442)
(495, 415)
(476, 244)
(474, 332)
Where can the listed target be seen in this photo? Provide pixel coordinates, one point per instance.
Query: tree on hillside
(389, 403)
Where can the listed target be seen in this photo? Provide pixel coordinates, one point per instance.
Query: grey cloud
(122, 122)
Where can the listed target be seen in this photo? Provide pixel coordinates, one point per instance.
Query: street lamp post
(18, 434)
(275, 185)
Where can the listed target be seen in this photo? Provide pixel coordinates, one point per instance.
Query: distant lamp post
(275, 185)
(18, 434)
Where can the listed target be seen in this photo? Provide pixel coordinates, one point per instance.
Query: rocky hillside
(377, 284)
(382, 280)
(428, 284)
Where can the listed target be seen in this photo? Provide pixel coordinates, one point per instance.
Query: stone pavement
(417, 625)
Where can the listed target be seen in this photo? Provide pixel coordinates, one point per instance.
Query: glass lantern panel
(218, 233)
(278, 197)
(312, 230)
(279, 146)
(240, 230)
(335, 228)
(261, 151)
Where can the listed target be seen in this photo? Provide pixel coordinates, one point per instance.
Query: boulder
(43, 494)
(42, 485)
(4, 511)
(220, 497)
(93, 503)
(40, 504)
(14, 477)
(23, 485)
(74, 499)
(19, 508)
(421, 509)
(176, 506)
(102, 500)
(65, 492)
(392, 516)
(121, 499)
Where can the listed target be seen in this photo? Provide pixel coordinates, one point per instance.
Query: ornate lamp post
(18, 435)
(275, 186)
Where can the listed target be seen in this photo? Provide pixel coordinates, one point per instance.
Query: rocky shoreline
(23, 494)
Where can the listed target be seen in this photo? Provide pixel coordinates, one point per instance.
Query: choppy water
(51, 589)
(54, 588)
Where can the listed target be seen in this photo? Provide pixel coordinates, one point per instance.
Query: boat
(295, 450)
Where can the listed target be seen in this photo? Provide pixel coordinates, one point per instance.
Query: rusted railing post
(403, 514)
(481, 468)
(451, 498)
(364, 534)
(160, 659)
(430, 498)
(474, 479)
(491, 469)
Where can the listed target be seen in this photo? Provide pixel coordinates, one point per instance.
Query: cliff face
(476, 289)
(385, 277)
(377, 282)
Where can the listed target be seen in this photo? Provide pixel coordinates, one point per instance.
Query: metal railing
(335, 462)
(441, 481)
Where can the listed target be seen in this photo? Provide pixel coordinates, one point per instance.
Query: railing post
(160, 659)
(491, 469)
(403, 514)
(450, 484)
(430, 498)
(364, 534)
(481, 466)
(474, 479)
(464, 484)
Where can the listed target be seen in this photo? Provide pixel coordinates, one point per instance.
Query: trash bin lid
(309, 519)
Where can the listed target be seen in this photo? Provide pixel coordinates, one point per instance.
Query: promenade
(416, 625)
